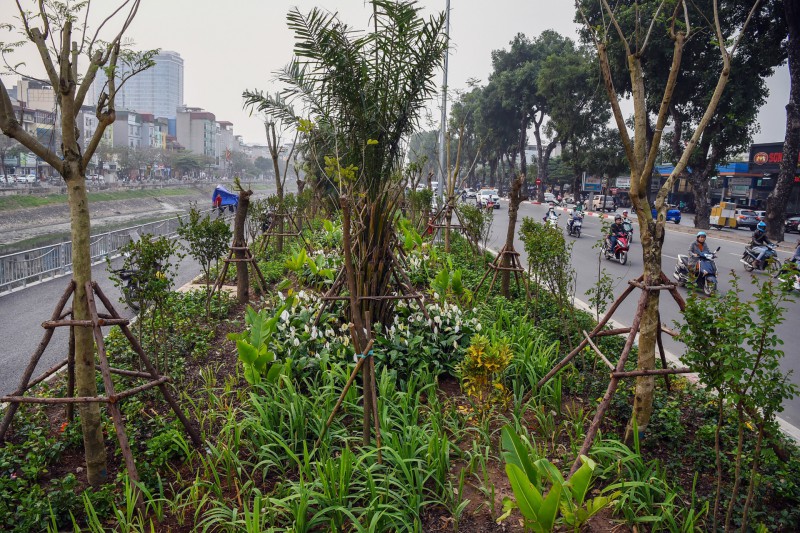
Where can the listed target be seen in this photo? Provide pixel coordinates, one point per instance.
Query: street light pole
(442, 127)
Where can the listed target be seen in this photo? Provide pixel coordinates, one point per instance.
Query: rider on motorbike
(697, 249)
(617, 229)
(551, 213)
(625, 217)
(759, 243)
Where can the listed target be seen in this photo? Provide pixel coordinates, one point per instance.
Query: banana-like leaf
(518, 454)
(247, 352)
(529, 500)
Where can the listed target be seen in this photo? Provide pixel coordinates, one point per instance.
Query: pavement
(587, 263)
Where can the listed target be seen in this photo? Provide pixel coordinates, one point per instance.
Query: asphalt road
(585, 262)
(23, 311)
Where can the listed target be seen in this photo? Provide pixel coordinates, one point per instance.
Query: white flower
(455, 344)
(296, 341)
(285, 315)
(305, 328)
(435, 295)
(478, 326)
(437, 319)
(329, 332)
(457, 328)
(435, 330)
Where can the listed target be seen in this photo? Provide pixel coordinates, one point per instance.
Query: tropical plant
(482, 369)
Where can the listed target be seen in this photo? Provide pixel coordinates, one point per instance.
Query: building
(196, 130)
(154, 131)
(35, 94)
(157, 90)
(127, 130)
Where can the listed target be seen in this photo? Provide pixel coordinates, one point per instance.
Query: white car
(471, 193)
(30, 178)
(487, 196)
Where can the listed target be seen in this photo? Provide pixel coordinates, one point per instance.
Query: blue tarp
(228, 198)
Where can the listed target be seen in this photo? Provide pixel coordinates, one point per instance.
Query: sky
(236, 45)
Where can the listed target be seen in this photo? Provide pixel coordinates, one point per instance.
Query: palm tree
(366, 91)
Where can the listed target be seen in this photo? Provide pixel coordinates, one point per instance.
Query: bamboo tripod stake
(111, 398)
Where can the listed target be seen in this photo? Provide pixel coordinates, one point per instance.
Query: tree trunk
(493, 170)
(652, 239)
(239, 242)
(515, 197)
(85, 376)
(779, 197)
(702, 205)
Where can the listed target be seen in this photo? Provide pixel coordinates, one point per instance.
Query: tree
(8, 148)
(779, 197)
(516, 73)
(631, 25)
(51, 27)
(365, 92)
(263, 164)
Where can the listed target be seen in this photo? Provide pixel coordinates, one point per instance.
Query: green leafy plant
(529, 480)
(253, 346)
(482, 371)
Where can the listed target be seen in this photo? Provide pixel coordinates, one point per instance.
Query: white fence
(18, 270)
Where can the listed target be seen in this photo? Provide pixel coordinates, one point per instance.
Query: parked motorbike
(575, 224)
(620, 251)
(628, 230)
(769, 263)
(705, 276)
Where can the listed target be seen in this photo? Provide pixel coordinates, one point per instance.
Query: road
(23, 311)
(585, 262)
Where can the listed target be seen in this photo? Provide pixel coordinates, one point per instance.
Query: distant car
(745, 218)
(30, 178)
(470, 193)
(603, 203)
(792, 225)
(761, 215)
(673, 215)
(487, 196)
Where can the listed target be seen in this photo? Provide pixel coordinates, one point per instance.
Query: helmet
(618, 217)
(762, 226)
(701, 234)
(625, 213)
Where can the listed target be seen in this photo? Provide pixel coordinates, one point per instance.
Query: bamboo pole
(612, 384)
(597, 351)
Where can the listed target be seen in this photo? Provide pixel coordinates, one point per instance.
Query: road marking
(671, 257)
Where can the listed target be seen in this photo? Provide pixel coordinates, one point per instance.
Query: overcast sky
(229, 46)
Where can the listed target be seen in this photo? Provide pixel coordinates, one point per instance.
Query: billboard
(623, 182)
(766, 158)
(592, 184)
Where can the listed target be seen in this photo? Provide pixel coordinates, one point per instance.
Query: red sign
(538, 181)
(760, 158)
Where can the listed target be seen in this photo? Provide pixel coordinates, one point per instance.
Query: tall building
(157, 91)
(197, 131)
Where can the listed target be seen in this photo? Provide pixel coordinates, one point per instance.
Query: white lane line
(671, 257)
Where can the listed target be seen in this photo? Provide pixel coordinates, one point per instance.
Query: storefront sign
(623, 183)
(739, 182)
(766, 158)
(592, 184)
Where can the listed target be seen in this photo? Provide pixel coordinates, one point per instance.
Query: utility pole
(443, 126)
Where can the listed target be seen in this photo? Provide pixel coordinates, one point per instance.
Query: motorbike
(770, 263)
(575, 224)
(551, 219)
(620, 251)
(628, 230)
(790, 271)
(129, 279)
(706, 275)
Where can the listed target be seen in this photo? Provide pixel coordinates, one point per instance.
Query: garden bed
(444, 454)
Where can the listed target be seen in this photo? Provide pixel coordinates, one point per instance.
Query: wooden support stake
(113, 408)
(193, 433)
(26, 376)
(47, 373)
(654, 372)
(71, 374)
(597, 351)
(594, 427)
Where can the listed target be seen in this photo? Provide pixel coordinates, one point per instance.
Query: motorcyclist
(551, 213)
(697, 249)
(616, 230)
(759, 243)
(625, 217)
(575, 215)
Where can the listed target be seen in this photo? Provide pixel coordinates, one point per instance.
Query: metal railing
(20, 269)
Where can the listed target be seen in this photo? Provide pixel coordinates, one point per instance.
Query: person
(759, 243)
(218, 202)
(625, 217)
(579, 206)
(697, 249)
(550, 213)
(616, 229)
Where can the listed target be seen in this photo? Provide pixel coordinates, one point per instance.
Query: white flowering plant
(413, 341)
